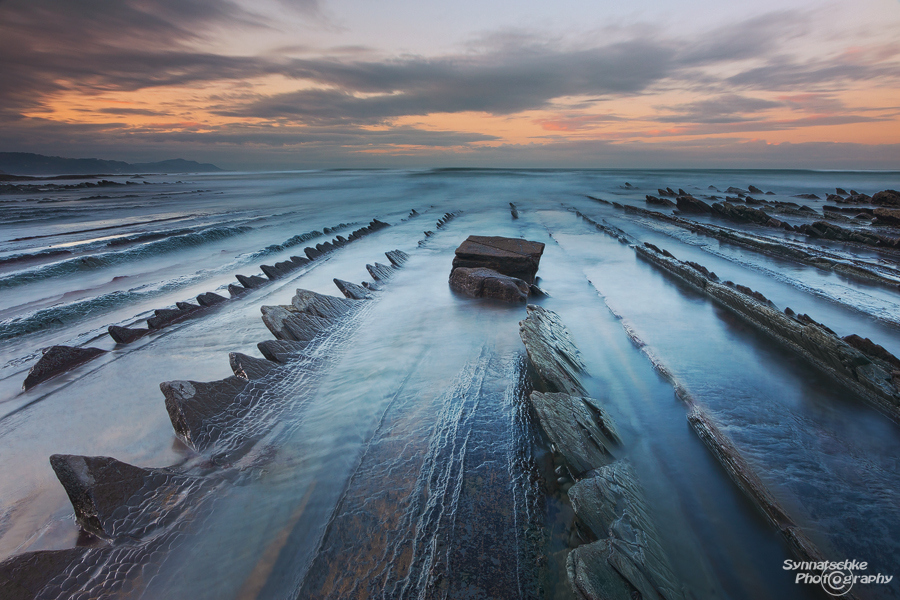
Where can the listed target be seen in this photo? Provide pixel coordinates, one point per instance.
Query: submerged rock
(398, 258)
(814, 342)
(552, 351)
(659, 201)
(507, 256)
(251, 282)
(351, 290)
(210, 299)
(487, 283)
(581, 430)
(691, 204)
(611, 506)
(199, 411)
(169, 316)
(321, 305)
(126, 335)
(249, 367)
(287, 323)
(380, 272)
(57, 360)
(281, 351)
(113, 499)
(41, 574)
(513, 211)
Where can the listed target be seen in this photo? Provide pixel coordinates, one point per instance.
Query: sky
(295, 84)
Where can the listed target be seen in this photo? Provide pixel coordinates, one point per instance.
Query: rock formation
(57, 360)
(486, 283)
(508, 256)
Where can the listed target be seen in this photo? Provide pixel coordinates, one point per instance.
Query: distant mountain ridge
(26, 163)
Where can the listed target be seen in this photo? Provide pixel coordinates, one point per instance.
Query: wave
(141, 252)
(29, 256)
(65, 314)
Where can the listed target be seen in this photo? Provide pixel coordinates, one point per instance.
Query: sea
(406, 463)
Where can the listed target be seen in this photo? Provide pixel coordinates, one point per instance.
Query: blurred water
(406, 464)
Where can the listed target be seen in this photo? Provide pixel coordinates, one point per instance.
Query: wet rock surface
(57, 360)
(202, 411)
(689, 204)
(250, 367)
(113, 499)
(352, 291)
(487, 283)
(552, 351)
(126, 335)
(581, 430)
(507, 256)
(887, 198)
(611, 505)
(817, 344)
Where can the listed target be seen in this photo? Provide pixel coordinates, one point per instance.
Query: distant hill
(25, 163)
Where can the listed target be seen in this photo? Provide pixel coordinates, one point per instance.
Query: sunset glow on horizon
(301, 83)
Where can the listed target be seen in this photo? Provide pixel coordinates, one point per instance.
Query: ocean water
(405, 463)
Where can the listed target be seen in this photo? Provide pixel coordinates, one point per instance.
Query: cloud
(730, 108)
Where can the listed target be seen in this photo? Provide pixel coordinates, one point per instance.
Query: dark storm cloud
(500, 83)
(101, 45)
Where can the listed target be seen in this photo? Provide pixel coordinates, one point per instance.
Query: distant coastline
(26, 163)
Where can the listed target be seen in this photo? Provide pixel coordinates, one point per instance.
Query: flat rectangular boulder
(509, 256)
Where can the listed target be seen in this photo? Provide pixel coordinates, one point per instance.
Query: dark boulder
(508, 256)
(887, 198)
(57, 360)
(840, 191)
(886, 216)
(736, 190)
(754, 190)
(186, 306)
(312, 253)
(487, 283)
(808, 196)
(126, 335)
(236, 290)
